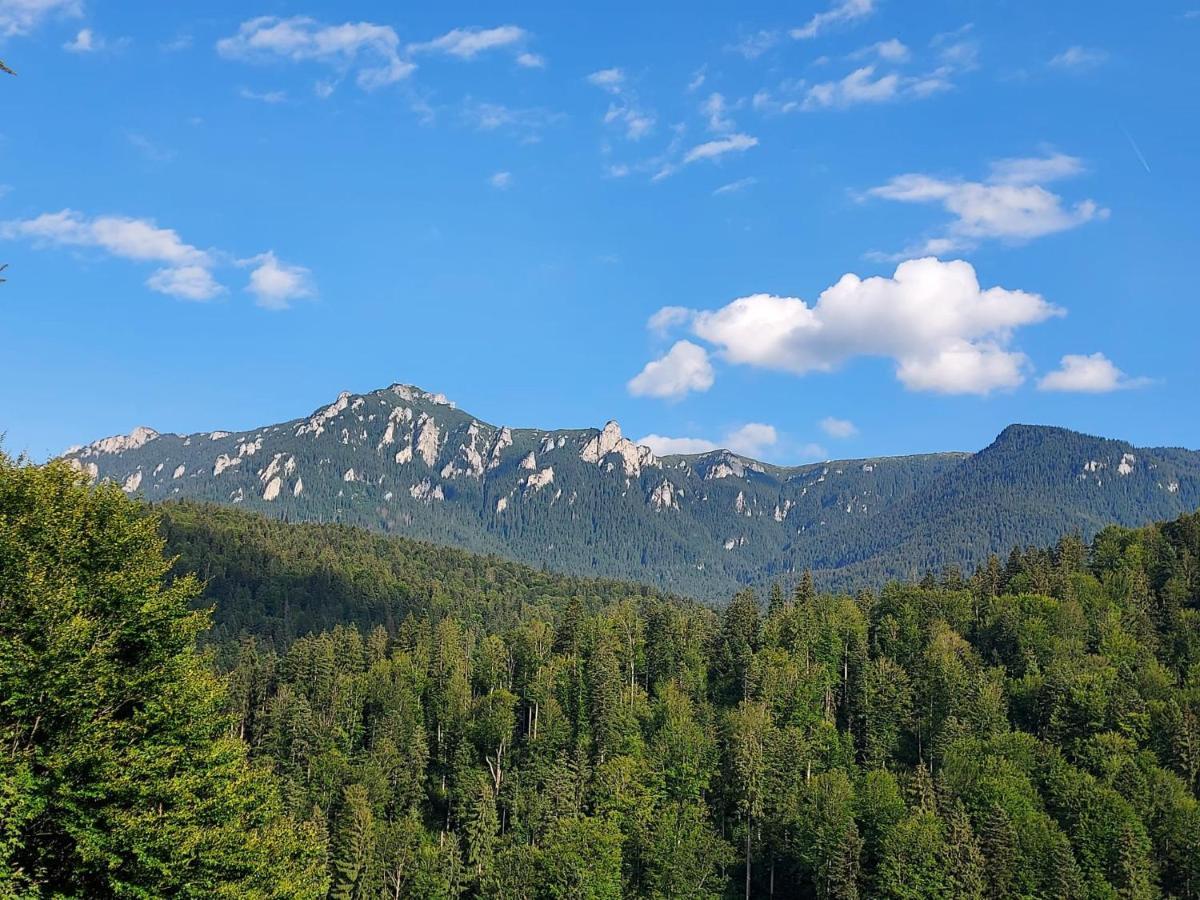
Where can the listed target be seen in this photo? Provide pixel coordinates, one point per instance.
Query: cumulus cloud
(667, 318)
(1078, 58)
(275, 284)
(670, 446)
(845, 12)
(838, 428)
(1008, 206)
(186, 282)
(892, 50)
(22, 16)
(752, 439)
(942, 330)
(860, 86)
(611, 80)
(684, 368)
(1084, 374)
(185, 271)
(371, 51)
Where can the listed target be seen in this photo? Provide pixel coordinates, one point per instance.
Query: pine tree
(353, 846)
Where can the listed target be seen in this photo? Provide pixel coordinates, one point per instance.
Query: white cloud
(371, 51)
(636, 122)
(85, 41)
(684, 368)
(22, 16)
(1077, 58)
(717, 112)
(1008, 206)
(838, 428)
(755, 44)
(667, 318)
(466, 43)
(148, 148)
(734, 187)
(185, 271)
(624, 111)
(697, 79)
(263, 96)
(892, 50)
(752, 439)
(670, 446)
(1094, 374)
(734, 143)
(932, 318)
(529, 60)
(501, 181)
(276, 284)
(526, 124)
(136, 239)
(610, 80)
(844, 12)
(186, 282)
(860, 86)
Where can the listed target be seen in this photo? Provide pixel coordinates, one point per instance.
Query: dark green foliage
(476, 729)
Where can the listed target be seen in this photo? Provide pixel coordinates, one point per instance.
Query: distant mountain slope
(591, 502)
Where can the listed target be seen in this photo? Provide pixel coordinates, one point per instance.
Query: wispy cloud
(624, 111)
(735, 187)
(843, 13)
(734, 143)
(1078, 59)
(23, 16)
(263, 96)
(148, 148)
(838, 428)
(468, 43)
(1011, 205)
(524, 123)
(501, 181)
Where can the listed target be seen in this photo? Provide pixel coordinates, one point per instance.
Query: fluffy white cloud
(529, 60)
(1008, 206)
(892, 50)
(136, 239)
(735, 143)
(846, 11)
(185, 282)
(684, 368)
(752, 439)
(838, 428)
(501, 181)
(22, 16)
(370, 50)
(669, 446)
(667, 318)
(275, 284)
(1077, 58)
(185, 271)
(943, 331)
(467, 43)
(1094, 374)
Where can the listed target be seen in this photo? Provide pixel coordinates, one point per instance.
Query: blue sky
(849, 227)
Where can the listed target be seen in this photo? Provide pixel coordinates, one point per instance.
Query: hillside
(591, 502)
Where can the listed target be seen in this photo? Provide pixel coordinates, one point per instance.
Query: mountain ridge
(589, 501)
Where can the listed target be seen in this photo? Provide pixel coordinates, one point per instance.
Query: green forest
(201, 702)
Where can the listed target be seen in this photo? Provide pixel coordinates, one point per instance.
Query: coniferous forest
(197, 702)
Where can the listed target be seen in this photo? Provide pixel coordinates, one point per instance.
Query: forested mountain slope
(591, 502)
(1030, 731)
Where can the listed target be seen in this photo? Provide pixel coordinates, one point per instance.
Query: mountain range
(592, 502)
